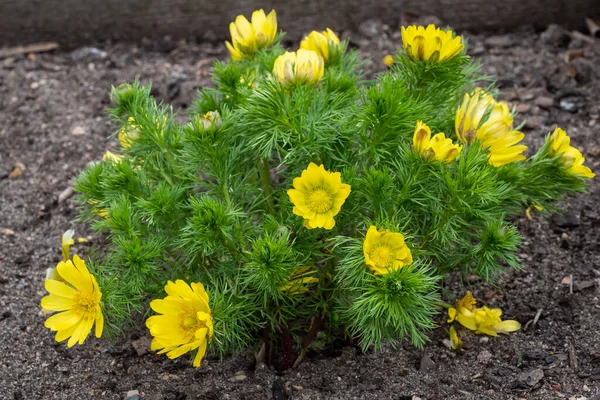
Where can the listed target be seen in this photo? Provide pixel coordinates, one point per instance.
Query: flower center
(319, 200)
(86, 301)
(382, 256)
(189, 321)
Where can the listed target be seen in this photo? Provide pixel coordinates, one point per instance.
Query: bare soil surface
(52, 109)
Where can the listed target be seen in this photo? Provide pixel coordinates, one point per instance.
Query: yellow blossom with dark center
(560, 143)
(302, 67)
(323, 43)
(430, 44)
(438, 148)
(247, 37)
(318, 196)
(77, 299)
(184, 322)
(385, 251)
(300, 280)
(496, 133)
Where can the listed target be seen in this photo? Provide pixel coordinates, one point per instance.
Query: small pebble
(132, 395)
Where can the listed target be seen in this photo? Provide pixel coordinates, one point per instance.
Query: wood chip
(30, 48)
(593, 26)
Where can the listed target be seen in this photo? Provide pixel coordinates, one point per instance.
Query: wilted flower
(455, 339)
(572, 158)
(496, 133)
(318, 196)
(480, 320)
(185, 323)
(248, 37)
(467, 302)
(439, 148)
(430, 44)
(77, 297)
(385, 251)
(301, 278)
(326, 44)
(301, 67)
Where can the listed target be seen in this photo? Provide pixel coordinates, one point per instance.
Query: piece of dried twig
(29, 48)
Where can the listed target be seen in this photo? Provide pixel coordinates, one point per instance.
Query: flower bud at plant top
(326, 44)
(122, 95)
(430, 44)
(211, 119)
(438, 148)
(572, 158)
(301, 67)
(496, 132)
(248, 37)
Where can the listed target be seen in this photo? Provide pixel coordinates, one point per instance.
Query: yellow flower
(388, 60)
(299, 281)
(455, 339)
(325, 44)
(318, 196)
(385, 251)
(128, 133)
(496, 133)
(439, 148)
(115, 158)
(572, 158)
(185, 323)
(78, 299)
(248, 37)
(467, 302)
(301, 67)
(430, 44)
(487, 321)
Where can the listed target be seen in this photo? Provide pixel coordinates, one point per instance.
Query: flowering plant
(299, 204)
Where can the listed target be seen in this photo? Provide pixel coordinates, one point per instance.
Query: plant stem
(265, 177)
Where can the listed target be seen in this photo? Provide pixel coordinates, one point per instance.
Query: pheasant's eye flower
(467, 302)
(439, 148)
(78, 300)
(572, 158)
(248, 37)
(301, 67)
(184, 323)
(108, 156)
(488, 322)
(430, 44)
(325, 44)
(385, 251)
(128, 133)
(496, 133)
(301, 278)
(318, 196)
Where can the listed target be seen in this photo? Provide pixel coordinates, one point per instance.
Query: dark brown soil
(53, 122)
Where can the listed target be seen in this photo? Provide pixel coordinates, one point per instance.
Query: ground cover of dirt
(53, 122)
